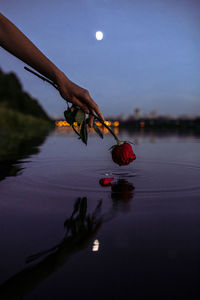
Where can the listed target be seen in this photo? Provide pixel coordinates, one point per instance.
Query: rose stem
(56, 87)
(41, 77)
(116, 138)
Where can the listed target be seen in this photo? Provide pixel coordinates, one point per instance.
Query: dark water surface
(146, 229)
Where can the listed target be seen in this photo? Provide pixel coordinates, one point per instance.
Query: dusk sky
(149, 57)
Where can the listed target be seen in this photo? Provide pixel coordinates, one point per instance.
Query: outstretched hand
(14, 41)
(78, 96)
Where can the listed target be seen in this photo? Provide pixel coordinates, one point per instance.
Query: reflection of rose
(122, 190)
(123, 154)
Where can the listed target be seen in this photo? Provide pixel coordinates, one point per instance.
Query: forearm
(14, 41)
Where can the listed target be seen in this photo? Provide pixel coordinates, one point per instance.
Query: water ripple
(147, 176)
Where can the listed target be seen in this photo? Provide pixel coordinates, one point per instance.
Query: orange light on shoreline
(116, 130)
(108, 123)
(98, 124)
(142, 124)
(105, 130)
(116, 123)
(62, 123)
(65, 123)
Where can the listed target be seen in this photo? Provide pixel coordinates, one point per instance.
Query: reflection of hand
(80, 230)
(84, 238)
(77, 96)
(80, 227)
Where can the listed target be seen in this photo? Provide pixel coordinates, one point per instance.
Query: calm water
(143, 240)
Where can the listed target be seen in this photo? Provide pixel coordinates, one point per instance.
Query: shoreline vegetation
(23, 125)
(13, 97)
(16, 129)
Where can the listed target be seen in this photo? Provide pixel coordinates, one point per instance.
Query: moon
(99, 35)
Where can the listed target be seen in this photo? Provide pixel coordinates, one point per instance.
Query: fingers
(99, 113)
(82, 105)
(78, 96)
(92, 104)
(89, 108)
(86, 103)
(91, 119)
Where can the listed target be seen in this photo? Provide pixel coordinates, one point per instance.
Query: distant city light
(142, 124)
(116, 130)
(99, 124)
(108, 123)
(105, 130)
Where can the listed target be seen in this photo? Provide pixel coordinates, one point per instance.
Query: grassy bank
(18, 132)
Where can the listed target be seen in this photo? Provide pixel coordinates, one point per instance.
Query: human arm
(15, 42)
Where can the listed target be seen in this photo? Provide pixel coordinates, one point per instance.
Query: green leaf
(83, 132)
(98, 131)
(75, 130)
(79, 116)
(69, 116)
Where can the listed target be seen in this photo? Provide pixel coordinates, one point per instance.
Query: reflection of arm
(25, 281)
(14, 41)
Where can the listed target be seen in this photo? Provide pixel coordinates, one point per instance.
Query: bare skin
(15, 42)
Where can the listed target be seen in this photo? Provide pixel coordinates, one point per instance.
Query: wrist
(59, 77)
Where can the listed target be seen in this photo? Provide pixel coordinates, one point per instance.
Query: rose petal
(106, 181)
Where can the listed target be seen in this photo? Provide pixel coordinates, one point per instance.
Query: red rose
(123, 154)
(105, 181)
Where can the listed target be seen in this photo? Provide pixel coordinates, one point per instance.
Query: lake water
(142, 242)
